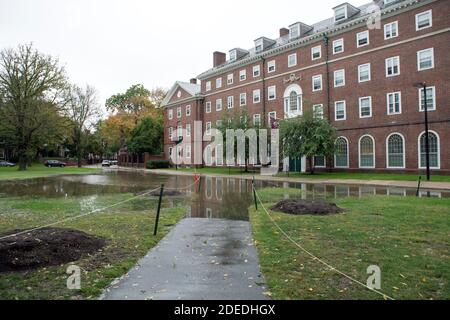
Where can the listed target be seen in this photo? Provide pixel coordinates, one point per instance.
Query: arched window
(366, 152)
(341, 156)
(293, 103)
(434, 150)
(395, 151)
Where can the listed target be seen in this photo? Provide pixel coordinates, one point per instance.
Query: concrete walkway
(201, 259)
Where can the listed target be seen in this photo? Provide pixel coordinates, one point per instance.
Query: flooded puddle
(225, 198)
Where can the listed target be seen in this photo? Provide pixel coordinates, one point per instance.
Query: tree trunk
(23, 161)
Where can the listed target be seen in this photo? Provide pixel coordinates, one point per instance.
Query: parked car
(114, 162)
(106, 163)
(6, 164)
(54, 163)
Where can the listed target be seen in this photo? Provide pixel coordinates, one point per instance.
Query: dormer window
(259, 45)
(386, 2)
(294, 31)
(233, 55)
(340, 14)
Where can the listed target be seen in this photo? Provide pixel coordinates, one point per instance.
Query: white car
(106, 163)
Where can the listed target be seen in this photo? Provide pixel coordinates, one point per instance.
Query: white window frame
(438, 150)
(188, 151)
(334, 46)
(269, 116)
(348, 155)
(271, 89)
(370, 104)
(319, 50)
(242, 75)
(256, 116)
(434, 99)
(170, 133)
(188, 129)
(294, 62)
(387, 151)
(208, 127)
(257, 70)
(179, 112)
(315, 112)
(256, 93)
(418, 59)
(335, 110)
(208, 106)
(388, 27)
(344, 8)
(366, 32)
(219, 104)
(271, 64)
(430, 12)
(318, 76)
(359, 152)
(230, 102)
(359, 72)
(188, 110)
(399, 100)
(230, 79)
(170, 114)
(208, 86)
(243, 94)
(343, 77)
(219, 83)
(387, 66)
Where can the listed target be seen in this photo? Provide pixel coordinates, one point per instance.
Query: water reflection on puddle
(226, 198)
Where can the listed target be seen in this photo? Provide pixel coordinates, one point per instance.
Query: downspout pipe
(326, 42)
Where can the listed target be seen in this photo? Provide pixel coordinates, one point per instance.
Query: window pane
(366, 152)
(341, 156)
(433, 150)
(395, 151)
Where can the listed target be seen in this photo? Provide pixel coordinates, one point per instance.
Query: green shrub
(158, 164)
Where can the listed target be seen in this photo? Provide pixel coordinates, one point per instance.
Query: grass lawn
(128, 229)
(40, 171)
(326, 175)
(408, 238)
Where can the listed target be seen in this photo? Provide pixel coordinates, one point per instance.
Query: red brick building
(358, 69)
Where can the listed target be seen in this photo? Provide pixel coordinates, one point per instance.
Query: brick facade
(409, 123)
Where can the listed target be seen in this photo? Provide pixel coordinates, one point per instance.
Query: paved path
(199, 259)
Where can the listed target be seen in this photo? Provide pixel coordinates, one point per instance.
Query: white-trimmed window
(317, 83)
(395, 151)
(219, 83)
(208, 128)
(272, 93)
(390, 30)
(218, 104)
(208, 107)
(170, 114)
(338, 46)
(433, 150)
(233, 55)
(394, 103)
(339, 78)
(179, 112)
(425, 59)
(256, 71)
(170, 133)
(294, 31)
(230, 102)
(180, 130)
(208, 85)
(257, 119)
(366, 150)
(318, 111)
(364, 72)
(188, 110)
(424, 20)
(293, 101)
(271, 66)
(242, 75)
(257, 96)
(188, 130)
(340, 14)
(320, 162)
(188, 151)
(218, 123)
(243, 99)
(316, 53)
(392, 66)
(341, 155)
(365, 107)
(230, 79)
(292, 60)
(271, 119)
(431, 99)
(170, 152)
(340, 112)
(362, 39)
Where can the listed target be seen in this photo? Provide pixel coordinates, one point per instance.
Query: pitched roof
(191, 88)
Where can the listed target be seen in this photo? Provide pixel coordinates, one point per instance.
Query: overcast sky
(112, 44)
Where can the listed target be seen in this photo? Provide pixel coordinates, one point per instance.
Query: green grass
(326, 175)
(128, 229)
(40, 171)
(408, 238)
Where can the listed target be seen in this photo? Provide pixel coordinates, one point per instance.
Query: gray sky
(112, 44)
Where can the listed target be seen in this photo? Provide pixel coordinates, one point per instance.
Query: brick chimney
(193, 81)
(284, 32)
(219, 58)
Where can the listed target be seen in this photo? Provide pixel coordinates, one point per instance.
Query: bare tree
(29, 83)
(83, 109)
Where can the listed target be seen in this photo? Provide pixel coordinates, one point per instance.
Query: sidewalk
(443, 186)
(200, 259)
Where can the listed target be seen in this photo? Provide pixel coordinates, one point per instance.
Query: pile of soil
(166, 193)
(303, 207)
(45, 247)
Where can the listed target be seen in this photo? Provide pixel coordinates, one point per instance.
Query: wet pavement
(201, 259)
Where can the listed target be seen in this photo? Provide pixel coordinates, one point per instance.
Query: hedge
(157, 164)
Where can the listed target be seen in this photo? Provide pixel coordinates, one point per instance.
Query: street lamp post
(423, 86)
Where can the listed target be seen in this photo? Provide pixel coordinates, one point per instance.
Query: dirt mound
(302, 207)
(45, 247)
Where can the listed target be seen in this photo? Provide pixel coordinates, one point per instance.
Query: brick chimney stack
(219, 58)
(284, 32)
